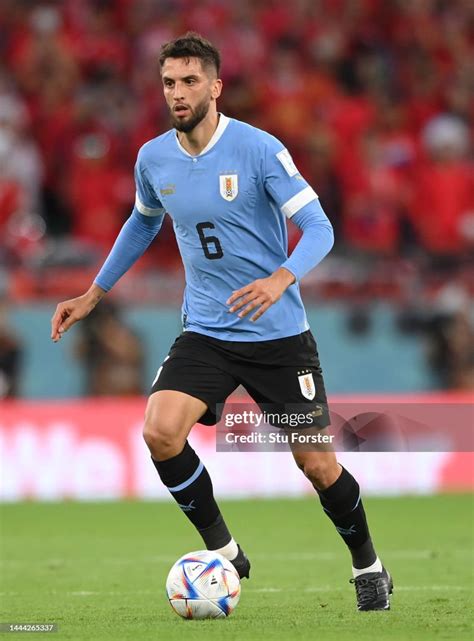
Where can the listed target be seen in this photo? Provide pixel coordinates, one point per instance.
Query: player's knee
(160, 435)
(321, 469)
(162, 443)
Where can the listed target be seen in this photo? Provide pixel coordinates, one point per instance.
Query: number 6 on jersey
(210, 244)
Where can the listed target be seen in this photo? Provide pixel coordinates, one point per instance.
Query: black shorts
(282, 376)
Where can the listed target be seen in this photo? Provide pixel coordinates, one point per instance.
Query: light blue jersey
(229, 206)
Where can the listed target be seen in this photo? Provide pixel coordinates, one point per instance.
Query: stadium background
(374, 101)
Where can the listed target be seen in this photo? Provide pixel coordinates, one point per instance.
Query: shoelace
(366, 589)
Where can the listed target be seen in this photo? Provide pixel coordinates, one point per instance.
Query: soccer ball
(203, 585)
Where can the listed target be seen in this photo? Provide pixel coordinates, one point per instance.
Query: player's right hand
(70, 311)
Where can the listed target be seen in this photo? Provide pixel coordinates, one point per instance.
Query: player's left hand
(261, 293)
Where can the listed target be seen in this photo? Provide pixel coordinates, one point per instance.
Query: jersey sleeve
(282, 181)
(146, 200)
(132, 241)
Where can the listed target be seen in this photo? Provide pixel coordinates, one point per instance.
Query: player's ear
(216, 88)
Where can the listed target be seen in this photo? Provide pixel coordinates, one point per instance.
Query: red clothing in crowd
(10, 200)
(443, 197)
(288, 68)
(100, 199)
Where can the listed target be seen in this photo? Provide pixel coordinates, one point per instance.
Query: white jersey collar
(221, 127)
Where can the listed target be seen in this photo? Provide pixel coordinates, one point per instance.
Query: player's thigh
(195, 369)
(170, 416)
(294, 400)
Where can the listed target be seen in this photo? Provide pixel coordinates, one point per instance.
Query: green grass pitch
(98, 571)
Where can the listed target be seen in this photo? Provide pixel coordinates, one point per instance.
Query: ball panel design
(202, 585)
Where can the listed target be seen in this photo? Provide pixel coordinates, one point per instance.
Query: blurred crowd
(111, 354)
(374, 98)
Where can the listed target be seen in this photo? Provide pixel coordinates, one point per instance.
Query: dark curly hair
(192, 45)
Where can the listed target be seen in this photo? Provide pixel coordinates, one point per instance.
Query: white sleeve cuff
(147, 211)
(298, 201)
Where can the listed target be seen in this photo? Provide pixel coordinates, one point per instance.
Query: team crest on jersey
(229, 186)
(307, 386)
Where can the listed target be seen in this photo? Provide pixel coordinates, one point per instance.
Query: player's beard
(197, 115)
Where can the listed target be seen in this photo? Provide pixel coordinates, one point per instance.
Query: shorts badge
(229, 186)
(307, 385)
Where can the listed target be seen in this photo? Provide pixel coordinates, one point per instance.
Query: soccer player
(229, 189)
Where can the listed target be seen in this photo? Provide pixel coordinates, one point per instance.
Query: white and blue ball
(203, 585)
